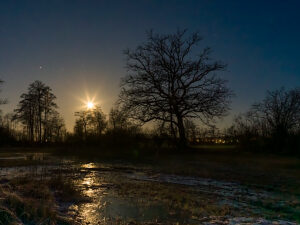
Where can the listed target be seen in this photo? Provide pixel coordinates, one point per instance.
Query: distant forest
(172, 87)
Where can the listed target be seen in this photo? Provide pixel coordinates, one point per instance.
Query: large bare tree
(170, 79)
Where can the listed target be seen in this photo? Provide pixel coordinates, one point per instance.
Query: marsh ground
(204, 186)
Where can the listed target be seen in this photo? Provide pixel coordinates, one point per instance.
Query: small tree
(167, 82)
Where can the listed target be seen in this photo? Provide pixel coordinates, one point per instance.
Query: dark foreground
(207, 186)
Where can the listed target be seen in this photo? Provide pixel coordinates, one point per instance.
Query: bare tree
(120, 124)
(79, 129)
(280, 111)
(26, 114)
(97, 120)
(273, 122)
(166, 81)
(56, 129)
(247, 129)
(118, 119)
(51, 116)
(81, 124)
(8, 122)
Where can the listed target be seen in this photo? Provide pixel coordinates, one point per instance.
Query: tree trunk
(182, 138)
(40, 129)
(85, 132)
(173, 133)
(45, 128)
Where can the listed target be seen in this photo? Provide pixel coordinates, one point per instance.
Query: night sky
(76, 47)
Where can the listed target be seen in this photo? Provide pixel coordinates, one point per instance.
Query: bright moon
(90, 105)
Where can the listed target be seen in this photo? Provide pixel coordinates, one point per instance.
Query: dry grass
(31, 201)
(179, 200)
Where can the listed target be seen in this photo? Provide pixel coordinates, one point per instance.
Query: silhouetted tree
(280, 113)
(79, 129)
(248, 131)
(280, 110)
(51, 117)
(35, 110)
(248, 125)
(118, 119)
(97, 120)
(166, 81)
(26, 114)
(7, 121)
(56, 129)
(81, 124)
(273, 123)
(120, 126)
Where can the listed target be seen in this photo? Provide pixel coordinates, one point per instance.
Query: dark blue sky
(76, 46)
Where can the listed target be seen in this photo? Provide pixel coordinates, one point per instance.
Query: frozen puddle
(230, 193)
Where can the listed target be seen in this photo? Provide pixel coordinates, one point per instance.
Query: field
(202, 186)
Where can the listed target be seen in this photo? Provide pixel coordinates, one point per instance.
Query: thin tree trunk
(172, 128)
(182, 138)
(40, 129)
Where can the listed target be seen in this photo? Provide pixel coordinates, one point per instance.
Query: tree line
(174, 84)
(272, 123)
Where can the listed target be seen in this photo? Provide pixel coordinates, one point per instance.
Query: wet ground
(124, 193)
